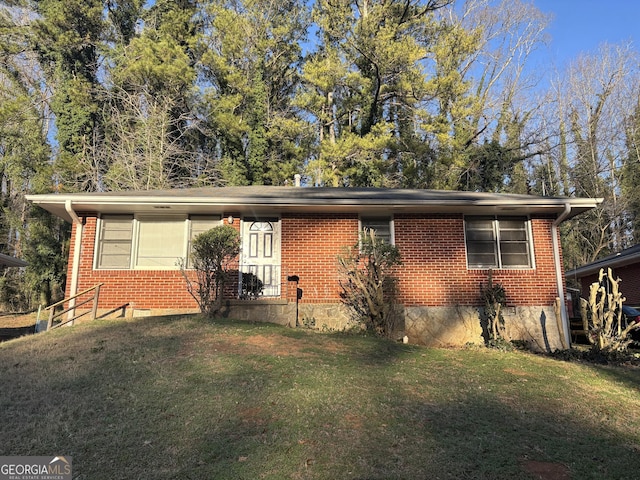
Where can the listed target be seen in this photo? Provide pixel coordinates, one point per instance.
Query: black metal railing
(259, 281)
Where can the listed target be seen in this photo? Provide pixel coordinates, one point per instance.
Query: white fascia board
(55, 203)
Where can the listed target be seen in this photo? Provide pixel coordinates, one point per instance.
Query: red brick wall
(433, 273)
(434, 270)
(310, 246)
(629, 286)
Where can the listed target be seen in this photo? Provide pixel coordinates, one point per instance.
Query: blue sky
(580, 26)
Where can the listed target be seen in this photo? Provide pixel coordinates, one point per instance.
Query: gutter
(566, 337)
(75, 267)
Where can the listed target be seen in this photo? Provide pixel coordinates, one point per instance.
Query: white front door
(260, 261)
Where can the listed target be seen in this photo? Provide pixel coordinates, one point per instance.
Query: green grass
(185, 398)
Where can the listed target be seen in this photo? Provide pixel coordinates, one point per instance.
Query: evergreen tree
(365, 89)
(25, 168)
(66, 37)
(251, 58)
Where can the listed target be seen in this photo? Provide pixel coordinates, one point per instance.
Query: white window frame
(364, 220)
(135, 243)
(495, 219)
(179, 251)
(99, 241)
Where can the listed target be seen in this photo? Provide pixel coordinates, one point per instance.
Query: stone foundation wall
(443, 326)
(450, 326)
(323, 316)
(539, 327)
(458, 325)
(279, 312)
(431, 326)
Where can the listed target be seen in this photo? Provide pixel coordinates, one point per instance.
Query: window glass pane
(515, 260)
(160, 242)
(497, 242)
(202, 223)
(515, 254)
(381, 225)
(199, 224)
(479, 223)
(114, 244)
(513, 230)
(482, 260)
(482, 254)
(268, 245)
(512, 223)
(513, 235)
(514, 244)
(481, 243)
(480, 235)
(261, 227)
(253, 245)
(115, 256)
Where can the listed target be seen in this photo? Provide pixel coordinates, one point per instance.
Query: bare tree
(509, 32)
(145, 145)
(495, 43)
(595, 107)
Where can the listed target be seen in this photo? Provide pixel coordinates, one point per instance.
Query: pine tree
(250, 66)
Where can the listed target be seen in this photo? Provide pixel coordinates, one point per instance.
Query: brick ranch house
(449, 242)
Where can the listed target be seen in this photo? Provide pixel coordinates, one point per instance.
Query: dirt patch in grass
(277, 345)
(17, 320)
(546, 470)
(280, 346)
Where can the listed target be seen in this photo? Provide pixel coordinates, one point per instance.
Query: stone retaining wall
(431, 326)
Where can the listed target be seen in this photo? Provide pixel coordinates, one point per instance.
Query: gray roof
(268, 199)
(625, 257)
(9, 261)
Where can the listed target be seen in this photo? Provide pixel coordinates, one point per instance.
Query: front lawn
(185, 398)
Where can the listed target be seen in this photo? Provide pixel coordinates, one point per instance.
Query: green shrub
(212, 252)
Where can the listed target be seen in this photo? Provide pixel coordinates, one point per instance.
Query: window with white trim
(498, 242)
(383, 226)
(148, 242)
(161, 242)
(114, 242)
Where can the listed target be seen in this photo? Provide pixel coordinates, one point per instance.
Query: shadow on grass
(167, 398)
(10, 333)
